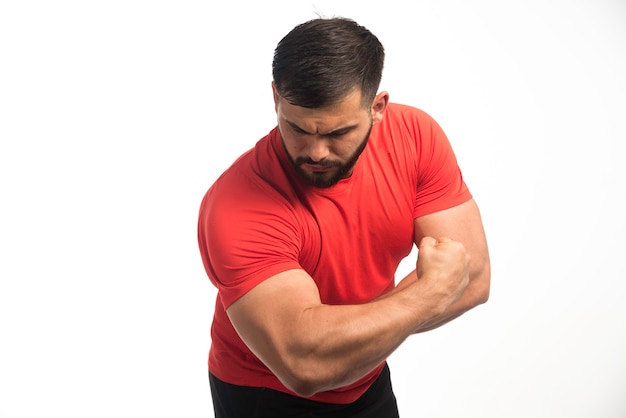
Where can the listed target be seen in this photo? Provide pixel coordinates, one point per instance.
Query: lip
(316, 168)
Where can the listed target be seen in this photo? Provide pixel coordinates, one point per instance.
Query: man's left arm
(461, 223)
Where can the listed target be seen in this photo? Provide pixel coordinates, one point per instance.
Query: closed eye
(296, 129)
(300, 131)
(338, 134)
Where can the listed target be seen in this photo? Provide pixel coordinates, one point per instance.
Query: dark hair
(320, 61)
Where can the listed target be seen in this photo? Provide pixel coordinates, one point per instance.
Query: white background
(116, 116)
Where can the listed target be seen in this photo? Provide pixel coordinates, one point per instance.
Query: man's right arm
(312, 347)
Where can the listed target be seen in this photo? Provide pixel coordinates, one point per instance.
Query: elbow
(305, 376)
(302, 383)
(484, 284)
(298, 365)
(483, 297)
(304, 389)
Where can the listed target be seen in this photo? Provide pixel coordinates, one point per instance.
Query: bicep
(461, 223)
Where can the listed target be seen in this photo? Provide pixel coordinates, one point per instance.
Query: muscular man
(303, 234)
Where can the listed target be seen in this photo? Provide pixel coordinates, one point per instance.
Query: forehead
(349, 111)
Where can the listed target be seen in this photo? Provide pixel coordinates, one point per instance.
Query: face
(325, 144)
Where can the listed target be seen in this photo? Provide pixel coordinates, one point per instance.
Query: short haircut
(321, 61)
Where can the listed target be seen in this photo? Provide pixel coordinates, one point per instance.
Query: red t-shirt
(259, 219)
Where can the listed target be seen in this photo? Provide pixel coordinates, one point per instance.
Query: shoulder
(408, 127)
(254, 197)
(399, 111)
(254, 186)
(257, 175)
(412, 123)
(248, 224)
(410, 117)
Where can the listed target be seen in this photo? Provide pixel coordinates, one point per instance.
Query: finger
(427, 241)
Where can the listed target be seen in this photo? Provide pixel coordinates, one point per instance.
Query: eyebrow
(341, 130)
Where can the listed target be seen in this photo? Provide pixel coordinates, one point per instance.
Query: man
(302, 236)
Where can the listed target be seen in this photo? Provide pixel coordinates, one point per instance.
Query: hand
(442, 270)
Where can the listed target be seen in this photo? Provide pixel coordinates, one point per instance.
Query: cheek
(293, 146)
(347, 147)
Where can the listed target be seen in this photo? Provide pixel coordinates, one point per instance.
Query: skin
(324, 144)
(312, 347)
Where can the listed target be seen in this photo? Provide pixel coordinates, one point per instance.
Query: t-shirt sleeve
(244, 236)
(440, 184)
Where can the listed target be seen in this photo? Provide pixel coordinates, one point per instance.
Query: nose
(317, 148)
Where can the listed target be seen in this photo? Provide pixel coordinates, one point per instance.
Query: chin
(320, 181)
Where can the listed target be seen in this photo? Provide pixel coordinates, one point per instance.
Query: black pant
(232, 401)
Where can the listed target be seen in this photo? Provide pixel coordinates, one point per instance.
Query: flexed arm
(462, 223)
(313, 347)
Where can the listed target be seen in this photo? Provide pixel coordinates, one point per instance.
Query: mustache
(321, 163)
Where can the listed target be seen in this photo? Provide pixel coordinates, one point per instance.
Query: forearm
(360, 337)
(339, 344)
(476, 293)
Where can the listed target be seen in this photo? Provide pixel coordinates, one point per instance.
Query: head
(326, 77)
(321, 61)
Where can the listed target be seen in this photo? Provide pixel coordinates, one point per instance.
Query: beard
(338, 170)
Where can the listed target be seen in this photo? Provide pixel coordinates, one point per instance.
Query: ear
(379, 105)
(276, 97)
